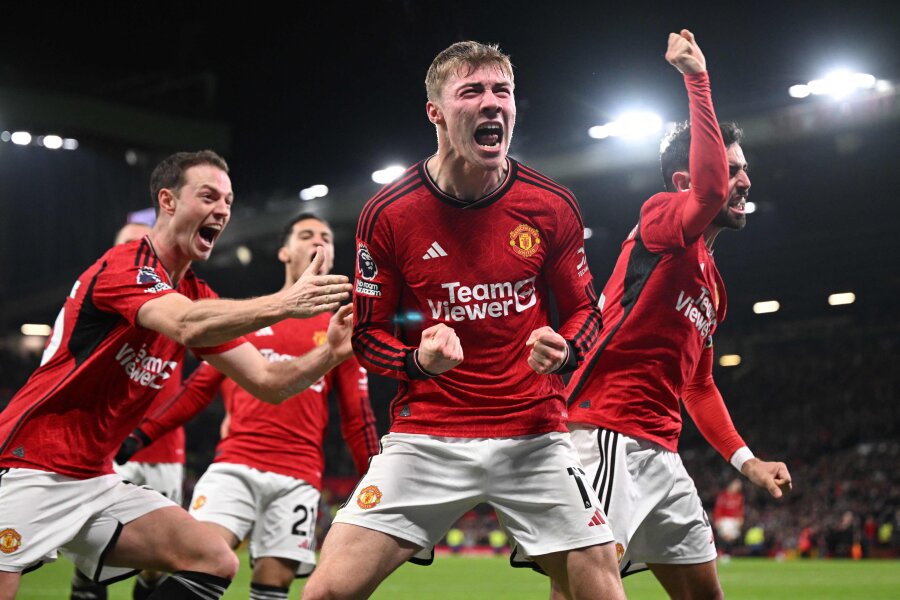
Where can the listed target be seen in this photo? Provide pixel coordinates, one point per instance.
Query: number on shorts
(308, 514)
(578, 473)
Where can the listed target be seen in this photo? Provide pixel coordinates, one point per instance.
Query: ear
(167, 200)
(283, 255)
(434, 113)
(681, 180)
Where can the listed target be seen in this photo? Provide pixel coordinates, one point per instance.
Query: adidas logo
(435, 251)
(265, 331)
(597, 519)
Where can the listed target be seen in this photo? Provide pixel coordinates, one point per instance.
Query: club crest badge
(369, 497)
(524, 240)
(10, 541)
(199, 501)
(319, 338)
(620, 551)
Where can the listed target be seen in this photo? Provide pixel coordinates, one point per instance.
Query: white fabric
(165, 478)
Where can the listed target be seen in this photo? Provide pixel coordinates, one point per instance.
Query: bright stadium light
(20, 138)
(729, 360)
(53, 142)
(841, 298)
(244, 255)
(766, 306)
(588, 233)
(36, 329)
(313, 192)
(5, 136)
(749, 207)
(631, 125)
(70, 144)
(838, 84)
(388, 174)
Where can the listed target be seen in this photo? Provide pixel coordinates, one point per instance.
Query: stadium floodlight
(838, 84)
(631, 125)
(5, 136)
(36, 329)
(841, 298)
(244, 255)
(749, 207)
(766, 306)
(53, 142)
(729, 360)
(313, 192)
(588, 233)
(20, 138)
(70, 144)
(388, 174)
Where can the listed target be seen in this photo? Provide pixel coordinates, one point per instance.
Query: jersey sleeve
(706, 406)
(376, 302)
(194, 395)
(351, 386)
(572, 284)
(125, 283)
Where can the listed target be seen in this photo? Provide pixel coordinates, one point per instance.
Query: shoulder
(662, 202)
(195, 287)
(550, 190)
(390, 197)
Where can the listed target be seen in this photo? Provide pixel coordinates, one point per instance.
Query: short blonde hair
(471, 54)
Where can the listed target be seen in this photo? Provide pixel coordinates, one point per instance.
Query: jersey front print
(486, 269)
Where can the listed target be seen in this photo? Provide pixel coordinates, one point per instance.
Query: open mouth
(209, 233)
(739, 206)
(489, 135)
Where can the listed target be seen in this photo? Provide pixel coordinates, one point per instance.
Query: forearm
(211, 322)
(284, 379)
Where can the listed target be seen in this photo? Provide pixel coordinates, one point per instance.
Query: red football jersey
(169, 448)
(286, 438)
(729, 505)
(485, 268)
(661, 305)
(100, 370)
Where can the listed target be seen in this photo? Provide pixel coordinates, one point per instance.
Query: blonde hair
(471, 54)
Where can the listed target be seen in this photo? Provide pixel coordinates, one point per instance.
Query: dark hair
(675, 150)
(169, 174)
(288, 229)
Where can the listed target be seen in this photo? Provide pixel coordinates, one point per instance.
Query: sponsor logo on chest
(699, 311)
(143, 368)
(483, 300)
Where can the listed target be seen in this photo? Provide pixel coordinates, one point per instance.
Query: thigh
(286, 523)
(9, 584)
(538, 488)
(354, 561)
(698, 581)
(416, 488)
(227, 495)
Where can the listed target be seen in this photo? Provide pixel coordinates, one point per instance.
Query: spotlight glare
(750, 207)
(36, 329)
(4, 136)
(799, 91)
(244, 255)
(53, 142)
(766, 306)
(631, 125)
(841, 298)
(588, 233)
(70, 144)
(388, 174)
(20, 138)
(729, 360)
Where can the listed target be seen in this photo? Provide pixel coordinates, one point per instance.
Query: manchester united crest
(199, 501)
(525, 240)
(319, 338)
(620, 551)
(10, 541)
(369, 497)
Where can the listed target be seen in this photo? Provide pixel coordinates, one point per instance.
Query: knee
(224, 562)
(212, 556)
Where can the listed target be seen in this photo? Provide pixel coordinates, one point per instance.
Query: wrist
(740, 457)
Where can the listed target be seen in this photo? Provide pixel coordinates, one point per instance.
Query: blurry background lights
(388, 174)
(244, 255)
(36, 329)
(749, 208)
(841, 298)
(70, 144)
(20, 138)
(53, 142)
(766, 306)
(313, 192)
(837, 84)
(588, 233)
(729, 360)
(631, 125)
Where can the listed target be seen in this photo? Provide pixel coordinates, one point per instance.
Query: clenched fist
(684, 53)
(440, 350)
(548, 350)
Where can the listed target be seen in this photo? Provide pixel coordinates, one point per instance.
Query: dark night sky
(323, 93)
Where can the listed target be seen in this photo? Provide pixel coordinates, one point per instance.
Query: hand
(312, 293)
(684, 53)
(136, 441)
(338, 335)
(440, 349)
(773, 476)
(548, 350)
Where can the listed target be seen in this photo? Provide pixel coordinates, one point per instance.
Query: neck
(709, 236)
(175, 264)
(455, 176)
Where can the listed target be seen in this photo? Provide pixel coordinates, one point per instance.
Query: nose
(222, 209)
(744, 180)
(490, 103)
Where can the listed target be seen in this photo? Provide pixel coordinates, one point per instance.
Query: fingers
(686, 34)
(315, 265)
